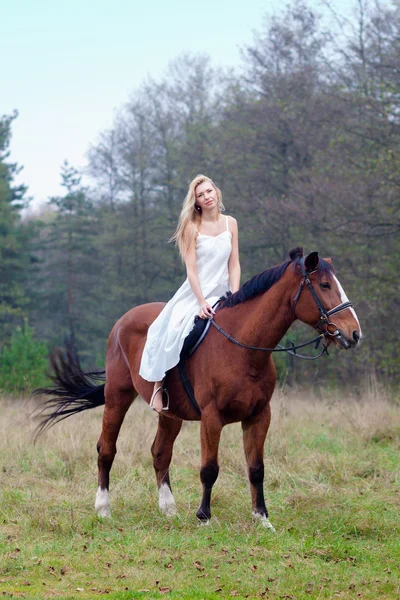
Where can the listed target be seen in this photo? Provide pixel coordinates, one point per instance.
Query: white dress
(167, 333)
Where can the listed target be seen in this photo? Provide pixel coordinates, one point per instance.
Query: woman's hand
(206, 311)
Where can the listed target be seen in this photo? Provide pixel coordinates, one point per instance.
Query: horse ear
(329, 260)
(296, 253)
(311, 262)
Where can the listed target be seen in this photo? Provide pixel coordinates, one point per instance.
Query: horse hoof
(166, 500)
(203, 517)
(102, 504)
(265, 522)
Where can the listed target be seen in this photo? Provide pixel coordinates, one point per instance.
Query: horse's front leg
(161, 450)
(254, 432)
(210, 432)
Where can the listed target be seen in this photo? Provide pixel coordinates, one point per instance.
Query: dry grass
(332, 486)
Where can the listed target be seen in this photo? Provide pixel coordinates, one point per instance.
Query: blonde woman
(208, 244)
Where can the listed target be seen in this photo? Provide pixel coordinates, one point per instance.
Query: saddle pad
(195, 337)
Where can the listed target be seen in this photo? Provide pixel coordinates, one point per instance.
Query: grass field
(332, 488)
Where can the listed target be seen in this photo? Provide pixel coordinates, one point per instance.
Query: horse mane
(264, 281)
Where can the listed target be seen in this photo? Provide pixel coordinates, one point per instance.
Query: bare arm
(234, 264)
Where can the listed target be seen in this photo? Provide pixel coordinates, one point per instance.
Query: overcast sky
(68, 64)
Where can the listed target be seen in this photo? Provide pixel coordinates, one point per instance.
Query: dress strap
(227, 226)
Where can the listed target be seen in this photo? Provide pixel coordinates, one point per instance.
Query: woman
(208, 244)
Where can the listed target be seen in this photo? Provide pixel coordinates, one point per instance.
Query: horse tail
(73, 392)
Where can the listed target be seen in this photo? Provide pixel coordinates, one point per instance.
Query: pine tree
(66, 306)
(14, 238)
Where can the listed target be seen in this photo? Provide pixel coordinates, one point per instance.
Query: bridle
(331, 329)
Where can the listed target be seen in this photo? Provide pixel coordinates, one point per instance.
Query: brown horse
(231, 383)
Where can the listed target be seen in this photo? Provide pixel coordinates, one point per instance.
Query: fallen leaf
(80, 589)
(165, 590)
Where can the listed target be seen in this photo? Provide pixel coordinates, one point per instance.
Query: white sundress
(167, 333)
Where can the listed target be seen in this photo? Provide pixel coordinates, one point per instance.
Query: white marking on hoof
(205, 523)
(102, 504)
(265, 522)
(166, 500)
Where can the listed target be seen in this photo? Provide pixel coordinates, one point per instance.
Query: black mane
(257, 284)
(264, 281)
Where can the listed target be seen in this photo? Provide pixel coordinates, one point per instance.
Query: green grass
(332, 487)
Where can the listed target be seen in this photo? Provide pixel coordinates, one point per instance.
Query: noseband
(331, 328)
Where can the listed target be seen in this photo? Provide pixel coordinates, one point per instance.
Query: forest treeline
(304, 141)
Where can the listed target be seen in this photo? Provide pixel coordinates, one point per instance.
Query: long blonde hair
(190, 217)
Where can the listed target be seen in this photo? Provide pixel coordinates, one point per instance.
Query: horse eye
(325, 285)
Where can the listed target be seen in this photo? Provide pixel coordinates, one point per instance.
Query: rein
(290, 350)
(331, 328)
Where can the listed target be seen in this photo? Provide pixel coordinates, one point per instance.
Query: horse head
(321, 302)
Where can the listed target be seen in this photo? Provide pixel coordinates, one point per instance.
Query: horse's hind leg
(161, 450)
(254, 433)
(117, 404)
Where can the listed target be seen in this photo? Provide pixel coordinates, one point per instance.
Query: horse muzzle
(333, 333)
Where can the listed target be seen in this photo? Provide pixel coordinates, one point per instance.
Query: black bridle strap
(290, 350)
(339, 308)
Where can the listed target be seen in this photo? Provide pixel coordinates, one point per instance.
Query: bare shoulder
(232, 223)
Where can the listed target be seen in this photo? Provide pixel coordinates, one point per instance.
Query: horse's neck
(264, 320)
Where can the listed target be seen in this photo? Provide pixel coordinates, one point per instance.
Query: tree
(14, 239)
(65, 305)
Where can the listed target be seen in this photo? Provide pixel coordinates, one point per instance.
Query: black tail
(73, 391)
